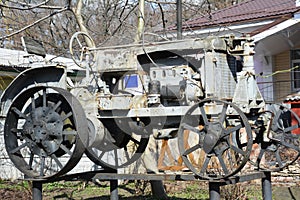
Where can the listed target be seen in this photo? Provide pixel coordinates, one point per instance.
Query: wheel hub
(43, 129)
(214, 131)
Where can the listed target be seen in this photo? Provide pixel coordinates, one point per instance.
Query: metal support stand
(214, 190)
(113, 177)
(114, 190)
(266, 186)
(37, 190)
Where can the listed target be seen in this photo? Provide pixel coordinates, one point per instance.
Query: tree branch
(30, 6)
(33, 24)
(160, 2)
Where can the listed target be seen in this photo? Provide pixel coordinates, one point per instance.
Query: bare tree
(109, 22)
(53, 21)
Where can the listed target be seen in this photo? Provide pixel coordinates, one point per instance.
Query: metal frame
(113, 177)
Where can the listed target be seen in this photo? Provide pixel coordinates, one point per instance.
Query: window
(131, 81)
(295, 64)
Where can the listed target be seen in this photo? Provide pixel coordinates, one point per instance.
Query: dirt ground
(284, 188)
(8, 194)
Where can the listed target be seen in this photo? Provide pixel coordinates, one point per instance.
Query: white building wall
(263, 65)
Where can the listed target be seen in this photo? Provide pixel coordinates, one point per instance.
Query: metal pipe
(179, 19)
(267, 186)
(114, 190)
(214, 191)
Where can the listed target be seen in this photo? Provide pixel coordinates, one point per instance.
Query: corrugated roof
(251, 10)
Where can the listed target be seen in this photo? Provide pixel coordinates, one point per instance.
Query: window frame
(293, 78)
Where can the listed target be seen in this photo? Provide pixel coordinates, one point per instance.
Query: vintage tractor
(201, 91)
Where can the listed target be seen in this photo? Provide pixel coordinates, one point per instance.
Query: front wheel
(214, 139)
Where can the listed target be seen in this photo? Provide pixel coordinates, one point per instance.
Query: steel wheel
(116, 149)
(44, 132)
(80, 45)
(279, 144)
(214, 139)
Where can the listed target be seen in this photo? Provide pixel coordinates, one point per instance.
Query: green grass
(138, 190)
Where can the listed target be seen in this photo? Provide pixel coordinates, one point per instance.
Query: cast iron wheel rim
(45, 138)
(282, 146)
(132, 148)
(79, 49)
(222, 149)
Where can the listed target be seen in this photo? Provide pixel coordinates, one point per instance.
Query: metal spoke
(223, 113)
(32, 103)
(19, 113)
(126, 153)
(44, 98)
(16, 131)
(65, 149)
(116, 157)
(291, 146)
(57, 105)
(260, 155)
(289, 129)
(42, 166)
(205, 164)
(192, 149)
(18, 148)
(231, 162)
(203, 114)
(223, 164)
(31, 159)
(101, 155)
(278, 159)
(233, 129)
(67, 116)
(78, 41)
(69, 132)
(54, 157)
(238, 150)
(191, 128)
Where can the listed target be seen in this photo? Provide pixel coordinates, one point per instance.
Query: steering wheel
(81, 45)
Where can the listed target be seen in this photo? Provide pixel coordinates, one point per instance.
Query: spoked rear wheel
(214, 139)
(280, 144)
(44, 132)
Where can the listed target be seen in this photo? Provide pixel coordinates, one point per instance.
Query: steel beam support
(114, 190)
(113, 177)
(37, 190)
(266, 186)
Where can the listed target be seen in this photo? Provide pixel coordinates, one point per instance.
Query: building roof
(246, 11)
(15, 61)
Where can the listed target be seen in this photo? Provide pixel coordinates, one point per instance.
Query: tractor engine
(173, 85)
